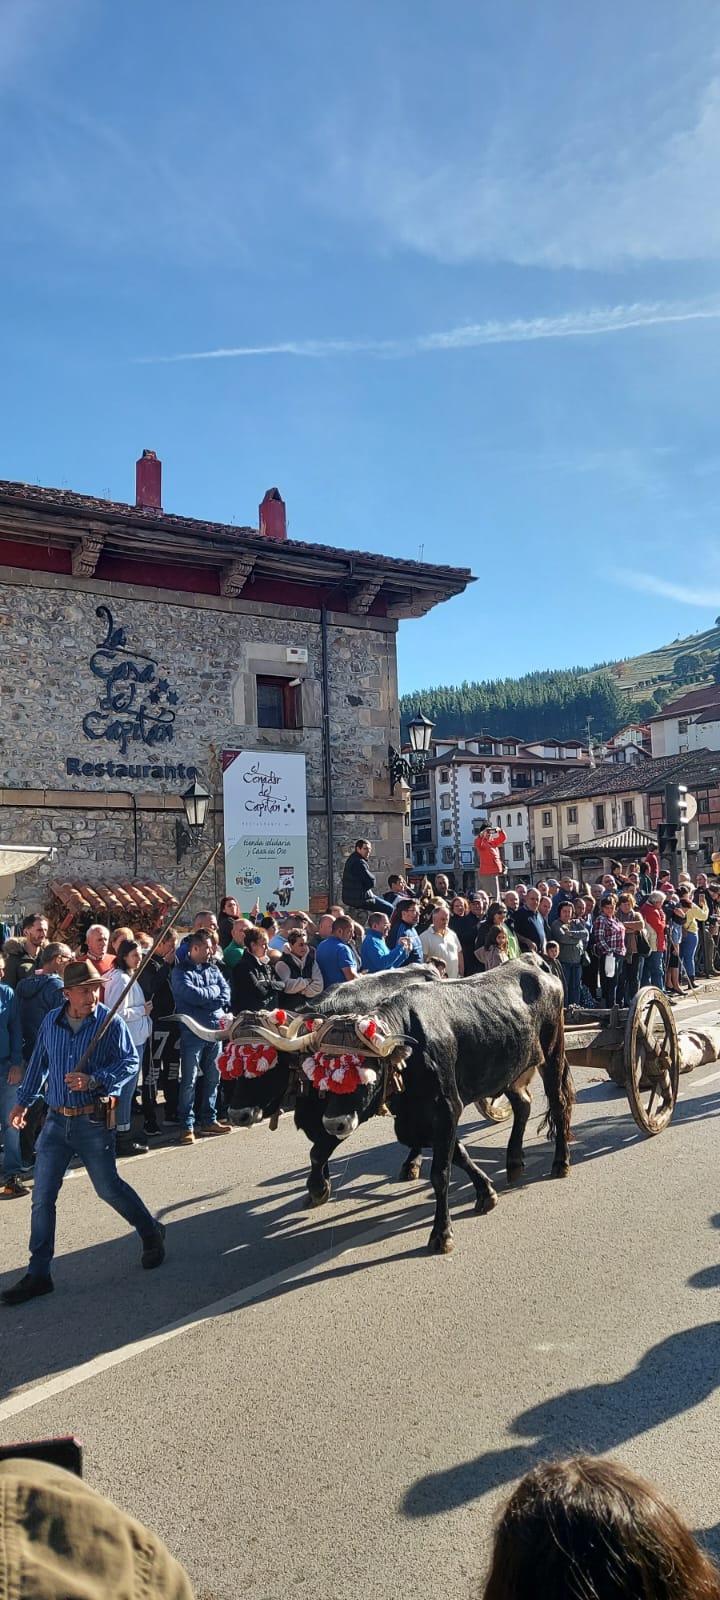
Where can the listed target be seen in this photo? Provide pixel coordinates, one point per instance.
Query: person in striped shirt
(70, 1129)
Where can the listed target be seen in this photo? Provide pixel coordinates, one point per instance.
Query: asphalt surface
(339, 1411)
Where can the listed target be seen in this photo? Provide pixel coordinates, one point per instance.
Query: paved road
(339, 1412)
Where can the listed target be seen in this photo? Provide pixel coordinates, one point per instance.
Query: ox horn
(293, 1028)
(210, 1034)
(381, 1045)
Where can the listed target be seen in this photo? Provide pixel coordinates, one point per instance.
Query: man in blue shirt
(335, 956)
(374, 953)
(62, 1041)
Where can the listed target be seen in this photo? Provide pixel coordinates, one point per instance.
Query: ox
(256, 1097)
(446, 1046)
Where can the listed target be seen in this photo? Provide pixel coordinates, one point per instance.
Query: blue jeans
(653, 970)
(123, 1112)
(12, 1155)
(688, 946)
(571, 974)
(60, 1140)
(197, 1055)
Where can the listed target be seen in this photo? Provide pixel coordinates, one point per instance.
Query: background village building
(692, 722)
(137, 648)
(591, 808)
(471, 782)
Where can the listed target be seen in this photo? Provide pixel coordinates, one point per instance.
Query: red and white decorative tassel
(338, 1074)
(246, 1060)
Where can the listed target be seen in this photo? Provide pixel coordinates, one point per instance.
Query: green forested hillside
(559, 703)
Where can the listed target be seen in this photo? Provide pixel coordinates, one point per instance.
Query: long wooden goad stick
(164, 931)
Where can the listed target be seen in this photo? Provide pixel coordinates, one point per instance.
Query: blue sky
(460, 262)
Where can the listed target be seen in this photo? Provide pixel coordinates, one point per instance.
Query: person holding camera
(490, 867)
(81, 1080)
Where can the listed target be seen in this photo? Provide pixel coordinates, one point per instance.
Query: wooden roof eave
(404, 589)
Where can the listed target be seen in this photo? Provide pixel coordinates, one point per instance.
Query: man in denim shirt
(70, 1130)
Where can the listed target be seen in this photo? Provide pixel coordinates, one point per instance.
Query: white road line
(114, 1358)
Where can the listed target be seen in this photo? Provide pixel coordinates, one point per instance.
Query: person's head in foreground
(590, 1529)
(59, 1538)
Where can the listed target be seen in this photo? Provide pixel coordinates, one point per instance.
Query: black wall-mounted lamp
(188, 834)
(405, 768)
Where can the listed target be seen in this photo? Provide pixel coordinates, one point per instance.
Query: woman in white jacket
(135, 1012)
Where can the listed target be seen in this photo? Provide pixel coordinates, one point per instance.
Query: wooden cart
(638, 1048)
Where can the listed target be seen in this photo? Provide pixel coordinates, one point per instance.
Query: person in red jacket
(490, 862)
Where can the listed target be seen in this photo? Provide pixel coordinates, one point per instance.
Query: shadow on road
(671, 1378)
(103, 1300)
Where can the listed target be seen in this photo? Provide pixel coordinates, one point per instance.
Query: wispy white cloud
(556, 189)
(518, 330)
(707, 596)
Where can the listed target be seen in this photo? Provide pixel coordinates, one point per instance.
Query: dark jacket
(530, 925)
(254, 986)
(36, 995)
(200, 991)
(358, 882)
(468, 930)
(18, 961)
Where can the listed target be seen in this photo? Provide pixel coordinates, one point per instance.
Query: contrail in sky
(470, 336)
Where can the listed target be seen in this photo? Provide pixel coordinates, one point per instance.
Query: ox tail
(558, 1085)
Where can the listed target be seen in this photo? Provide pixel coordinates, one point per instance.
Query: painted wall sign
(136, 705)
(75, 767)
(265, 808)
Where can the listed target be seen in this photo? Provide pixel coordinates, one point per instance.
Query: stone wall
(190, 668)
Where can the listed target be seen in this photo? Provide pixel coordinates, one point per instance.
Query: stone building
(137, 646)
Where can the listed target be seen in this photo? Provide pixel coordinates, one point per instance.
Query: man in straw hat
(72, 1127)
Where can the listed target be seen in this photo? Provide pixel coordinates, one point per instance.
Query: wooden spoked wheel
(497, 1110)
(652, 1060)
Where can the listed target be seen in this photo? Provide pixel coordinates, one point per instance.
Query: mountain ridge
(561, 702)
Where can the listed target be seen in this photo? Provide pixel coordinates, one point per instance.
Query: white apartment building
(690, 723)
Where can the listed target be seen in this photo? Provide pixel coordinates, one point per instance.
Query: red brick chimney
(273, 524)
(148, 481)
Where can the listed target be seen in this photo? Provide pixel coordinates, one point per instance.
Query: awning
(18, 857)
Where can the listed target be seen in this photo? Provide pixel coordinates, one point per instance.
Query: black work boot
(154, 1247)
(28, 1288)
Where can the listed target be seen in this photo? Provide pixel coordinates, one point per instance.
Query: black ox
(253, 1100)
(453, 1043)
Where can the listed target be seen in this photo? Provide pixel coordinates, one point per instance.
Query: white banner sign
(265, 812)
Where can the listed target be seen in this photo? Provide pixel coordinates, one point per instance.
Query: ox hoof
(441, 1244)
(560, 1169)
(409, 1172)
(486, 1202)
(516, 1173)
(318, 1197)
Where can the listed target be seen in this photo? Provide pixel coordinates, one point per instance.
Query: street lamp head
(196, 800)
(420, 730)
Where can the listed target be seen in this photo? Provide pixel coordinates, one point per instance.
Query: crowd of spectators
(632, 926)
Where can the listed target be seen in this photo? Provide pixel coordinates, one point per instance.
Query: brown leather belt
(71, 1111)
